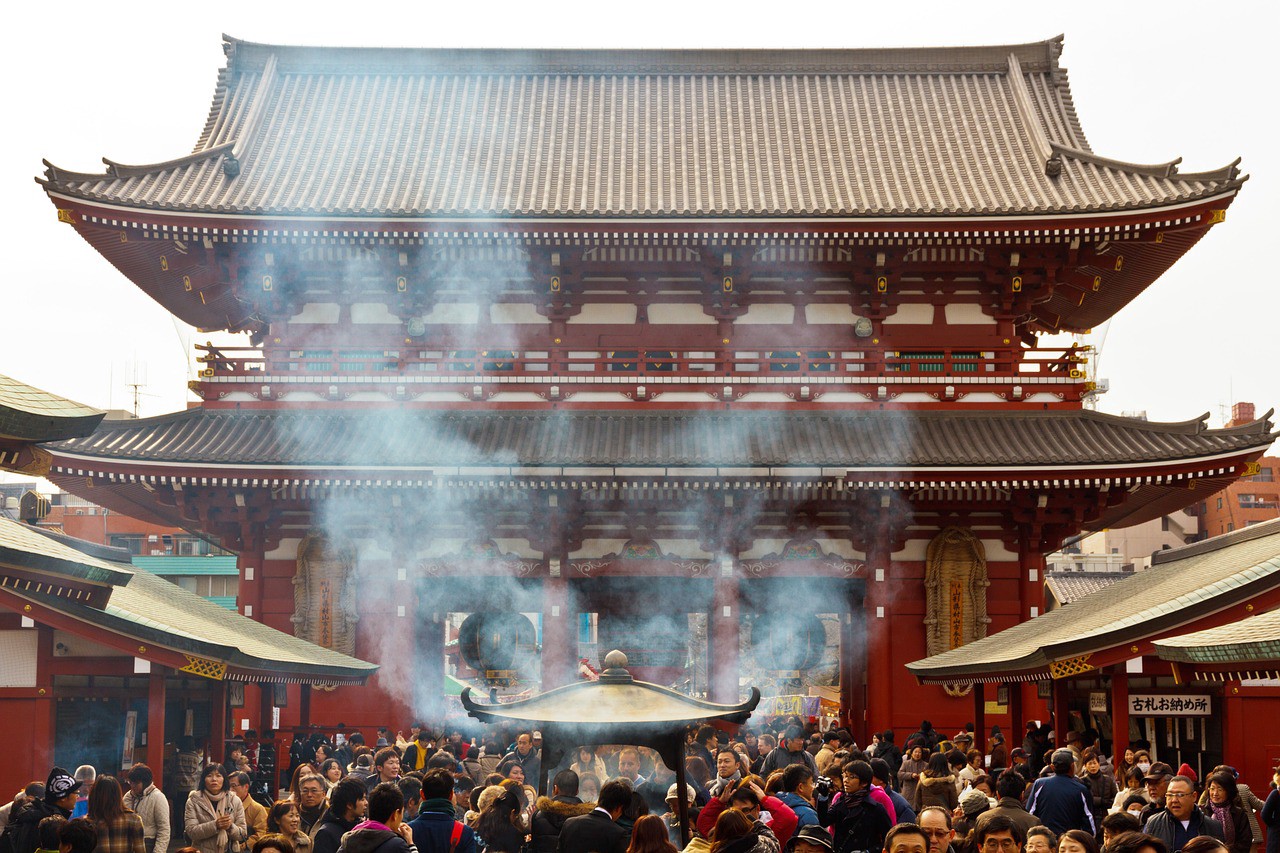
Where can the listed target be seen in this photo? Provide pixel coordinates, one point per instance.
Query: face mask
(1144, 766)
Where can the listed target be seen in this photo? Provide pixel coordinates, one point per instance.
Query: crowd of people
(789, 790)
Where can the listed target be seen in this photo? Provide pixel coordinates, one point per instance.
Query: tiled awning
(1183, 585)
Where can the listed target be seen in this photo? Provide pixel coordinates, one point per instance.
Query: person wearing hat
(672, 816)
(973, 804)
(1060, 800)
(1157, 780)
(1010, 787)
(60, 792)
(810, 839)
(790, 751)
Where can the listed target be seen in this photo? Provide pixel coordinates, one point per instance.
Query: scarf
(372, 824)
(1222, 814)
(216, 801)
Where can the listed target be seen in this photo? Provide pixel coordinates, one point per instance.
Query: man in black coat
(1180, 808)
(555, 810)
(60, 792)
(598, 831)
(348, 805)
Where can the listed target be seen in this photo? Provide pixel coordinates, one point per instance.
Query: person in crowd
(1270, 814)
(303, 770)
(60, 794)
(1060, 800)
(214, 817)
(856, 821)
(31, 793)
(1041, 839)
(797, 792)
(85, 774)
(936, 823)
(47, 832)
(1157, 777)
(649, 835)
(1204, 844)
(672, 815)
(766, 744)
(586, 761)
(1252, 805)
(285, 819)
(417, 752)
(411, 789)
(384, 830)
(728, 772)
(435, 828)
(936, 786)
(331, 772)
(973, 768)
(77, 836)
(827, 754)
(597, 830)
(1116, 824)
(265, 844)
(348, 805)
(1101, 785)
(1181, 820)
(749, 797)
(525, 755)
(386, 767)
(737, 831)
(146, 800)
(1077, 841)
(913, 764)
(1136, 842)
(255, 814)
(119, 830)
(588, 788)
(1126, 762)
(1222, 802)
(310, 800)
(791, 751)
(706, 743)
(973, 805)
(1134, 783)
(881, 772)
(999, 835)
(697, 776)
(553, 811)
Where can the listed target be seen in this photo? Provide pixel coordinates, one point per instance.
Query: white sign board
(1169, 705)
(1098, 703)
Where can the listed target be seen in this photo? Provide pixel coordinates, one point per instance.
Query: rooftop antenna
(135, 387)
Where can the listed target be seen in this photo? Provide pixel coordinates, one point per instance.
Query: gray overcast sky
(1151, 81)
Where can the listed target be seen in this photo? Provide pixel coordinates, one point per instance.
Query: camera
(822, 787)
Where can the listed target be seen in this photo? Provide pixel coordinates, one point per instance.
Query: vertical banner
(130, 735)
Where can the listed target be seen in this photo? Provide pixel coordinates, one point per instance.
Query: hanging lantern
(787, 642)
(498, 645)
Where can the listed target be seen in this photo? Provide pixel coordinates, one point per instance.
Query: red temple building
(660, 336)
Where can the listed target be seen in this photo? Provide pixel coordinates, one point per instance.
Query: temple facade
(674, 338)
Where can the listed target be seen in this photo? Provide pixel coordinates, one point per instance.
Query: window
(1264, 475)
(131, 542)
(1219, 503)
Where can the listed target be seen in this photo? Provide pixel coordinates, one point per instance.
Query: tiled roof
(29, 414)
(1256, 638)
(208, 565)
(153, 610)
(413, 438)
(21, 544)
(703, 133)
(1185, 584)
(1069, 586)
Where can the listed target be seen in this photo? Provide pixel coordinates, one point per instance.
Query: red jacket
(783, 821)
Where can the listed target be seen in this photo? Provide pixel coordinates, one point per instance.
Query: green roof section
(30, 414)
(30, 548)
(1255, 639)
(1183, 585)
(166, 566)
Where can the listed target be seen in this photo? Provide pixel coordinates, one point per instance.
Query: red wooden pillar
(558, 636)
(218, 718)
(43, 725)
(1017, 716)
(1119, 710)
(249, 592)
(853, 665)
(155, 722)
(879, 711)
(980, 717)
(266, 704)
(725, 617)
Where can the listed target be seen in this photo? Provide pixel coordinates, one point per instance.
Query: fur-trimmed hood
(937, 780)
(564, 809)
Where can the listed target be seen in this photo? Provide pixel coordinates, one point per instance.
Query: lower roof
(864, 439)
(1253, 640)
(1183, 585)
(30, 414)
(150, 611)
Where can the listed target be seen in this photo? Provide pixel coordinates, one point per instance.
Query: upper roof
(1066, 587)
(486, 134)
(29, 414)
(871, 439)
(1182, 585)
(152, 611)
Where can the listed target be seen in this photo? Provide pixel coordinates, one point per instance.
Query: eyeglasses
(1177, 795)
(1000, 844)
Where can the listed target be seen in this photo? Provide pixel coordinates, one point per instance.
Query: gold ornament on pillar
(324, 594)
(955, 584)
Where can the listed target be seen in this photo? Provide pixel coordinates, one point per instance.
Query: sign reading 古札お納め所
(1169, 705)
